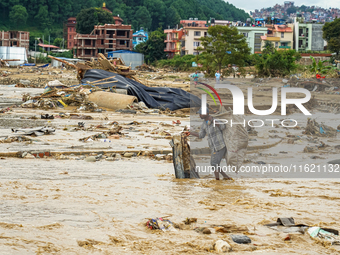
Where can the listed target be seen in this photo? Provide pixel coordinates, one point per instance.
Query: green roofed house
(253, 36)
(308, 36)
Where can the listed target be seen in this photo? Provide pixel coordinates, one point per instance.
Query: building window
(276, 44)
(121, 33)
(195, 53)
(245, 34)
(69, 44)
(70, 37)
(196, 44)
(257, 41)
(282, 35)
(197, 33)
(102, 41)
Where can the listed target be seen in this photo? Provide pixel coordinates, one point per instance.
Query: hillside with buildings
(289, 11)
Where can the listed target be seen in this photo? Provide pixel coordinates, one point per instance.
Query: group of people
(195, 76)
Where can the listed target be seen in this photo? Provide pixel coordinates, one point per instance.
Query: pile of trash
(287, 225)
(316, 129)
(115, 75)
(61, 96)
(3, 63)
(32, 83)
(160, 223)
(110, 134)
(157, 98)
(115, 65)
(39, 131)
(3, 110)
(12, 139)
(146, 68)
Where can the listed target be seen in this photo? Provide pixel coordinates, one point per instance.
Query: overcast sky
(258, 4)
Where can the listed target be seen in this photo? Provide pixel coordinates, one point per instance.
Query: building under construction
(15, 39)
(103, 39)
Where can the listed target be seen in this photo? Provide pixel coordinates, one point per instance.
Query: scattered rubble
(316, 129)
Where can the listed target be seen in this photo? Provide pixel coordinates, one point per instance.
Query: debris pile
(146, 68)
(3, 110)
(115, 65)
(12, 139)
(160, 223)
(35, 131)
(316, 129)
(110, 134)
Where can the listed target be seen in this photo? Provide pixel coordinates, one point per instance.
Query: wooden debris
(63, 61)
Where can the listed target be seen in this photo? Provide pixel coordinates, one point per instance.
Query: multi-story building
(280, 35)
(253, 36)
(104, 38)
(173, 42)
(71, 32)
(15, 39)
(308, 36)
(194, 29)
(191, 39)
(139, 37)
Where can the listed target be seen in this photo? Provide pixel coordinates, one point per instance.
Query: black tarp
(161, 98)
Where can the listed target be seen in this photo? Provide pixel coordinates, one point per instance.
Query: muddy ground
(63, 204)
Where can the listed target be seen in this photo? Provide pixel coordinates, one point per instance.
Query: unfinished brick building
(103, 39)
(15, 39)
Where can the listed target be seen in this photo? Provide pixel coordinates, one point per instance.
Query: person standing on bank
(195, 76)
(215, 141)
(217, 76)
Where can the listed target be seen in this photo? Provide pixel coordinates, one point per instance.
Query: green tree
(223, 46)
(42, 17)
(143, 18)
(278, 63)
(331, 33)
(153, 48)
(157, 10)
(88, 18)
(58, 42)
(18, 15)
(268, 48)
(172, 17)
(54, 13)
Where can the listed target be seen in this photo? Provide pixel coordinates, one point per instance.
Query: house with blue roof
(139, 37)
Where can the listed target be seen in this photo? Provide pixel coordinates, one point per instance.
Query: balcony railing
(284, 47)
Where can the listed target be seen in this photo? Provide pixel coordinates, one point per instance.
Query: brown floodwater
(76, 207)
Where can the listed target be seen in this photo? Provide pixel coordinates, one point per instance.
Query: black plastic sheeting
(161, 98)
